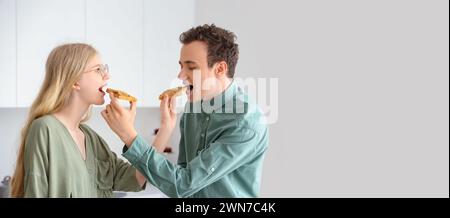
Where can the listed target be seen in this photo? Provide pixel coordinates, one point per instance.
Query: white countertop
(149, 192)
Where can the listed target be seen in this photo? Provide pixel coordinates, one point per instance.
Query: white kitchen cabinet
(164, 21)
(41, 26)
(8, 53)
(115, 29)
(137, 38)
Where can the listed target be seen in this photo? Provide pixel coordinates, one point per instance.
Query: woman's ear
(76, 86)
(221, 68)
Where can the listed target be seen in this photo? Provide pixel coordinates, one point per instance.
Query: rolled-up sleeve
(125, 176)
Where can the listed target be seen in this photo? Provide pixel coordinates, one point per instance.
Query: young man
(223, 135)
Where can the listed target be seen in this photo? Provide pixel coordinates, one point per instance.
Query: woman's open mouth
(102, 89)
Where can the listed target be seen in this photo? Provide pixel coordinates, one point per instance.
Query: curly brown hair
(220, 42)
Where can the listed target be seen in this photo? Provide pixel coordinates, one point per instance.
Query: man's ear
(76, 86)
(221, 68)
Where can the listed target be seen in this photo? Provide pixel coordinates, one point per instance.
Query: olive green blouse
(54, 166)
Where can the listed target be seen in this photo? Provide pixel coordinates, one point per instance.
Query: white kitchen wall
(138, 39)
(166, 20)
(115, 28)
(363, 93)
(11, 123)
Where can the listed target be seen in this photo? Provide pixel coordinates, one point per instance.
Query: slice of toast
(173, 92)
(121, 95)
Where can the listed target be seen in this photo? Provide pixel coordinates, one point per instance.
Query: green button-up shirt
(221, 151)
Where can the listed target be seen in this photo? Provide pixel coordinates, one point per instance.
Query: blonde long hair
(64, 67)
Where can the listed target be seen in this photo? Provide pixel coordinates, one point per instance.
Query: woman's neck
(72, 114)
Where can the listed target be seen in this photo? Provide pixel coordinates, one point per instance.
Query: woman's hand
(121, 120)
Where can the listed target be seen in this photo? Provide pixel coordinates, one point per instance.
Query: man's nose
(182, 75)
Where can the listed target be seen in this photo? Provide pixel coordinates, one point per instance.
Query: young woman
(59, 156)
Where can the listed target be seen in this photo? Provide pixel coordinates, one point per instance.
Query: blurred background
(361, 106)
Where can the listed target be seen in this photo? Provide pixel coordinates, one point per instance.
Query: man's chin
(191, 99)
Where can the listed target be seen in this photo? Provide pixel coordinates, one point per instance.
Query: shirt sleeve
(218, 159)
(124, 174)
(181, 147)
(36, 161)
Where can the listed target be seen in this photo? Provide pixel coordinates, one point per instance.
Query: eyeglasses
(102, 69)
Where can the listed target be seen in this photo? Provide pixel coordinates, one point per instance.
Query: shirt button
(207, 118)
(202, 135)
(212, 169)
